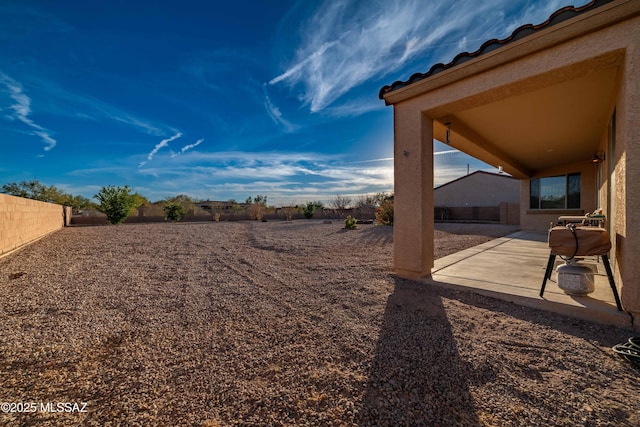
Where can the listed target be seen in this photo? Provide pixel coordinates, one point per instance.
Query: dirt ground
(284, 323)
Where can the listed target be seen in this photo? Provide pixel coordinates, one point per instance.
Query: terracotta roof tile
(556, 17)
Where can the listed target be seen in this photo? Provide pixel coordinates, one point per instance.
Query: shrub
(350, 223)
(116, 203)
(310, 209)
(257, 207)
(288, 212)
(256, 211)
(384, 212)
(173, 211)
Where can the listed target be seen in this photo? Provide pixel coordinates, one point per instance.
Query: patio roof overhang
(522, 107)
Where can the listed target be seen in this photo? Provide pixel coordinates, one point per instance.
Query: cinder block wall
(24, 220)
(510, 213)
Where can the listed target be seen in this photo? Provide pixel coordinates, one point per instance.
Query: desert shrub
(288, 212)
(173, 212)
(256, 207)
(116, 203)
(350, 223)
(216, 217)
(384, 212)
(310, 209)
(256, 211)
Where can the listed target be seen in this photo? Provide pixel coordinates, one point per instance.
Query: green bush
(350, 223)
(116, 203)
(173, 211)
(384, 212)
(310, 209)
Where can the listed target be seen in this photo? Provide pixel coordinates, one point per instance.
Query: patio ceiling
(526, 131)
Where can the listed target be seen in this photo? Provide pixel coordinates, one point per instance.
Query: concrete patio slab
(511, 268)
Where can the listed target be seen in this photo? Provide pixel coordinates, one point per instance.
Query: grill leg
(547, 273)
(607, 267)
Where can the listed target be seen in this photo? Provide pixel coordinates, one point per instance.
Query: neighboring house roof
(557, 17)
(499, 175)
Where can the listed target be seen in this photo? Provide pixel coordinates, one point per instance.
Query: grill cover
(591, 241)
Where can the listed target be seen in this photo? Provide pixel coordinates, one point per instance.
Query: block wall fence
(24, 220)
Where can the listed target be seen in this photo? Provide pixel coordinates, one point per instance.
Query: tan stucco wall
(413, 207)
(627, 173)
(24, 220)
(478, 189)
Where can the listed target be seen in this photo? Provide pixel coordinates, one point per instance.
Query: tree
(35, 190)
(365, 201)
(382, 197)
(32, 190)
(140, 200)
(18, 190)
(340, 202)
(116, 202)
(259, 199)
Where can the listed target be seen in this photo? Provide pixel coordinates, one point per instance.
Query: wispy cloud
(383, 159)
(387, 159)
(346, 43)
(21, 110)
(121, 117)
(283, 176)
(58, 100)
(275, 113)
(188, 147)
(297, 69)
(165, 142)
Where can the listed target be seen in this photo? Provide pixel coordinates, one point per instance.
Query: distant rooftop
(499, 174)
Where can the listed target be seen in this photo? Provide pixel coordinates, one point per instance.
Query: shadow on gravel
(376, 234)
(417, 377)
(606, 335)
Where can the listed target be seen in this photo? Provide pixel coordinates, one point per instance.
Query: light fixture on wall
(597, 157)
(448, 134)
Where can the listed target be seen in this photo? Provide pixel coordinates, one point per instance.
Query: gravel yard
(285, 323)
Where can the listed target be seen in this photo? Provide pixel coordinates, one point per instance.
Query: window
(555, 192)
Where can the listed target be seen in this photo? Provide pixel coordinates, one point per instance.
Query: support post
(413, 193)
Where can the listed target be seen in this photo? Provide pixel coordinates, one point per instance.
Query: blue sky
(225, 100)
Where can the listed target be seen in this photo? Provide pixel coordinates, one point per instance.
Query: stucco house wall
(478, 189)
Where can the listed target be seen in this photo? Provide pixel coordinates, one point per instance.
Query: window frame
(572, 199)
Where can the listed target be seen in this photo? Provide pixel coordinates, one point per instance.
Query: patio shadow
(417, 377)
(587, 329)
